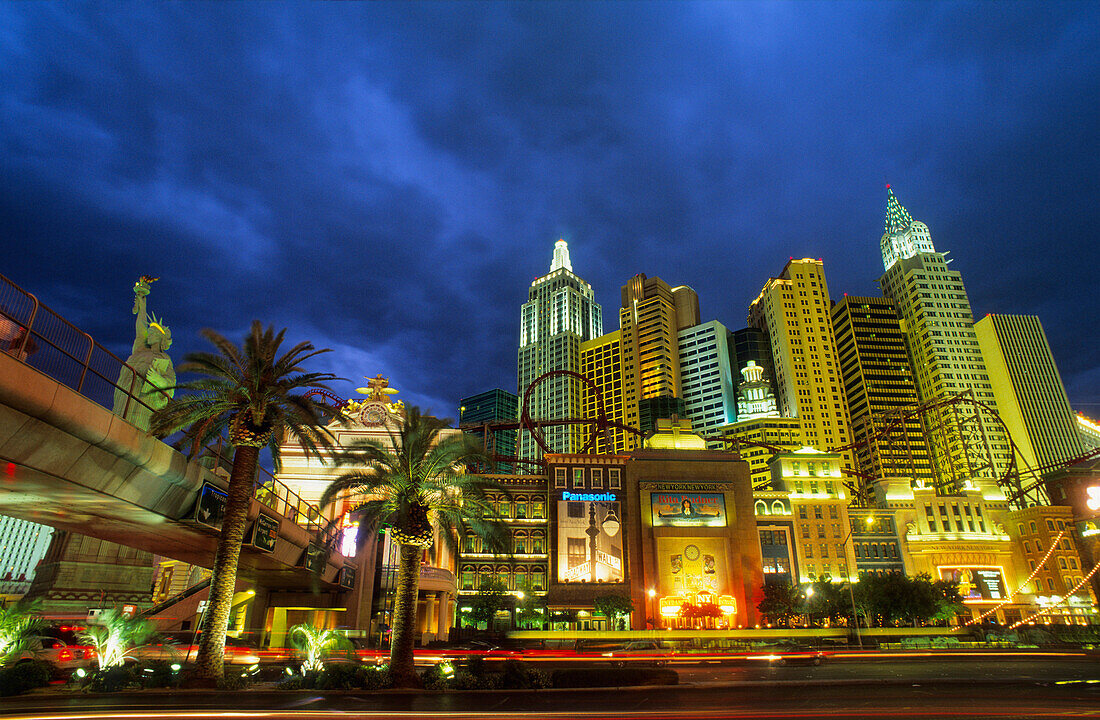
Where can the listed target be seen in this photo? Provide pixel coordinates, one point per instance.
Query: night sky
(386, 180)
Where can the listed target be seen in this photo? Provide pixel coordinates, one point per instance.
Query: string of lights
(1075, 588)
(1023, 585)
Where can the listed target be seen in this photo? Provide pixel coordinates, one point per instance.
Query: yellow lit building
(794, 311)
(777, 432)
(601, 363)
(1029, 392)
(943, 351)
(878, 383)
(651, 316)
(814, 486)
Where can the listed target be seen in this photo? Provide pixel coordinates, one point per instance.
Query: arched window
(468, 576)
(504, 574)
(778, 508)
(485, 574)
(538, 542)
(521, 506)
(519, 542)
(538, 509)
(521, 579)
(761, 507)
(538, 578)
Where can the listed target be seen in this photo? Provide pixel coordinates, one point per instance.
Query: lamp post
(870, 520)
(652, 594)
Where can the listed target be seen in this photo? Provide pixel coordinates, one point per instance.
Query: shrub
(377, 678)
(435, 677)
(613, 677)
(112, 679)
(519, 675)
(475, 665)
(464, 680)
(24, 676)
(159, 674)
(340, 676)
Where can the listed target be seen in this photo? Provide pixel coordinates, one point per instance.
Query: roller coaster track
(1023, 486)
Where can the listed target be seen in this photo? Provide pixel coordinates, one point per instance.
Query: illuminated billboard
(680, 509)
(976, 583)
(687, 566)
(590, 538)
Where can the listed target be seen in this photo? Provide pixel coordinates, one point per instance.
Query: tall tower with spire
(560, 313)
(943, 350)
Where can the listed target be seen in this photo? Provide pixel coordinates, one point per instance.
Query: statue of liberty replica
(148, 379)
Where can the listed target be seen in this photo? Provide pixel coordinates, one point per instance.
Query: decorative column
(443, 617)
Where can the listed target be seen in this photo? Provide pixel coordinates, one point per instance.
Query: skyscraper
(1030, 396)
(707, 385)
(878, 383)
(486, 407)
(651, 316)
(602, 364)
(943, 351)
(560, 313)
(793, 311)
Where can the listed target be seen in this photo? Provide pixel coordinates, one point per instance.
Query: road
(852, 689)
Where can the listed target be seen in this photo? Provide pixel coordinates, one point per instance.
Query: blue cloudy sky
(387, 179)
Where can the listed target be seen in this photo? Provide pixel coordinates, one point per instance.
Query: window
(821, 531)
(777, 508)
(805, 531)
(1050, 524)
(538, 543)
(538, 509)
(817, 512)
(1027, 547)
(578, 478)
(597, 478)
(809, 550)
(801, 512)
(559, 477)
(1062, 562)
(613, 478)
(761, 507)
(574, 510)
(832, 512)
(1033, 526)
(521, 509)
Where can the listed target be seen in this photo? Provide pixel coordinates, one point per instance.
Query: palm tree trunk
(223, 581)
(402, 669)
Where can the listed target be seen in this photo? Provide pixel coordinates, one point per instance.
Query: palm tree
(114, 634)
(415, 487)
(317, 642)
(18, 624)
(248, 393)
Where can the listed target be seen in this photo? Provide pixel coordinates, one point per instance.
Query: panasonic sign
(588, 497)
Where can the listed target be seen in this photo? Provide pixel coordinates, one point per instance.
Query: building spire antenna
(561, 256)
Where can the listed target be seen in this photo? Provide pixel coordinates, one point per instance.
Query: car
(786, 654)
(183, 647)
(64, 659)
(641, 651)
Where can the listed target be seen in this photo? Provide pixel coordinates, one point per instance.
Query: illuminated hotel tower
(879, 385)
(943, 351)
(602, 364)
(793, 311)
(560, 314)
(1029, 391)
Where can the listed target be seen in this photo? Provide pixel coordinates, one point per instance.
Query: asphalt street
(1039, 688)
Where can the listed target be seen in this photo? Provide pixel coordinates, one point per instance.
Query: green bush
(475, 665)
(434, 677)
(464, 680)
(377, 678)
(158, 674)
(613, 677)
(24, 676)
(112, 679)
(519, 675)
(295, 682)
(340, 676)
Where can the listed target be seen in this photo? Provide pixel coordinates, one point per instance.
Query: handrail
(39, 337)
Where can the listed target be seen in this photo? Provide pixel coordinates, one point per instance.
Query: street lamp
(870, 520)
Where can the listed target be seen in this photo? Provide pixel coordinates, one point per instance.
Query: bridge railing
(38, 336)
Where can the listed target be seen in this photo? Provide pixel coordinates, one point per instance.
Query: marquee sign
(688, 509)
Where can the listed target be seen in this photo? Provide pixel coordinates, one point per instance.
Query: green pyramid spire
(898, 218)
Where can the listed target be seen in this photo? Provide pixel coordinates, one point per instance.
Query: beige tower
(793, 311)
(650, 319)
(602, 364)
(1030, 396)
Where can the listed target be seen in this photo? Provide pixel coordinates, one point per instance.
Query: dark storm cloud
(387, 180)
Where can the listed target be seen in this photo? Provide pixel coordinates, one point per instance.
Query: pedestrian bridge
(69, 462)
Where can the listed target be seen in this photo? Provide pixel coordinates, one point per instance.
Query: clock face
(373, 414)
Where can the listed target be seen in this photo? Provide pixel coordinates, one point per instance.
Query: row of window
(524, 577)
(595, 479)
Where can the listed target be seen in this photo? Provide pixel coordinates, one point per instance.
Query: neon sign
(588, 497)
